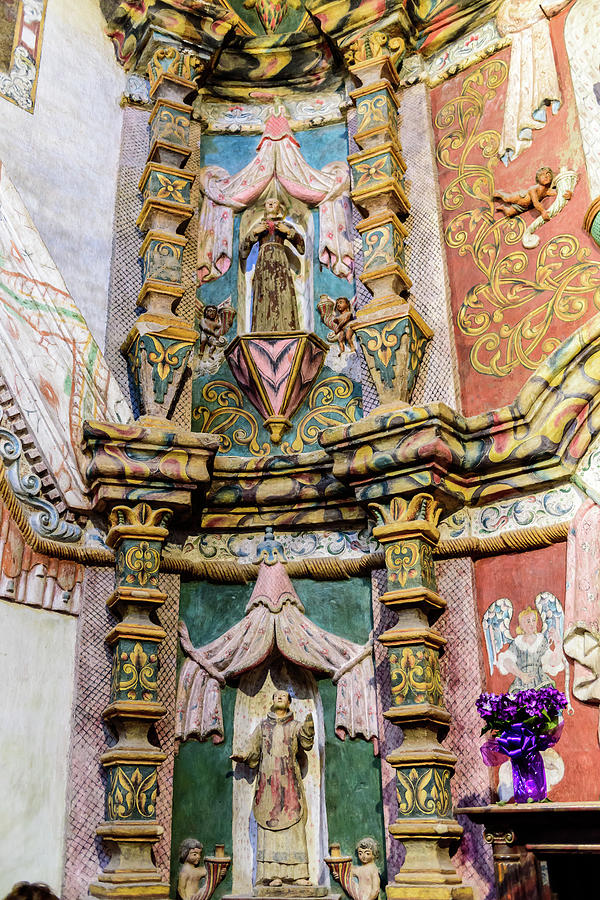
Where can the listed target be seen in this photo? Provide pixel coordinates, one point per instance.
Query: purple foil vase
(529, 777)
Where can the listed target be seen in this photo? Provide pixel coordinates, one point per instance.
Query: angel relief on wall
(531, 659)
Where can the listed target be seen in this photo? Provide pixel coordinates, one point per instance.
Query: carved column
(392, 334)
(159, 345)
(130, 828)
(407, 529)
(141, 476)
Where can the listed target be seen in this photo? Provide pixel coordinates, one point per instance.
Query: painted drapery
(278, 158)
(48, 357)
(274, 622)
(533, 86)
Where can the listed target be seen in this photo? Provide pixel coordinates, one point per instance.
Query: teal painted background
(203, 780)
(319, 146)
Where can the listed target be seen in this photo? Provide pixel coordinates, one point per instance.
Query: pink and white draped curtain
(274, 624)
(278, 158)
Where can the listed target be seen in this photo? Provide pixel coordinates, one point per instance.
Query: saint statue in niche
(274, 304)
(279, 803)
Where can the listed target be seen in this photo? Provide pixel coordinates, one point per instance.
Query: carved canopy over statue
(274, 623)
(278, 160)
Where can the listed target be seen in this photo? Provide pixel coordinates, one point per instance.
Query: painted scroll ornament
(565, 183)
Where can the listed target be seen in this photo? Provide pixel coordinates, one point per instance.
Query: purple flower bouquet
(522, 725)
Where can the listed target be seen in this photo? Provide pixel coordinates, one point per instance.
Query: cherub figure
(338, 315)
(214, 323)
(534, 655)
(531, 198)
(192, 871)
(366, 876)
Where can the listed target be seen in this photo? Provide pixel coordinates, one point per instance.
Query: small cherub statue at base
(367, 874)
(531, 198)
(192, 872)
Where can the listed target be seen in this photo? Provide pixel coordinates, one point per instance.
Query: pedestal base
(133, 891)
(287, 892)
(428, 892)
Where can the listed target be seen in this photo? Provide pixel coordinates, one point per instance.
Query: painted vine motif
(239, 427)
(565, 280)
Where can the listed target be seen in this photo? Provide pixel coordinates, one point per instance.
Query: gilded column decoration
(130, 828)
(392, 334)
(408, 531)
(141, 475)
(159, 345)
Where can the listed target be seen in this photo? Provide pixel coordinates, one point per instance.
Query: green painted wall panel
(203, 780)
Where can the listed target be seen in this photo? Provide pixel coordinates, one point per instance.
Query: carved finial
(269, 549)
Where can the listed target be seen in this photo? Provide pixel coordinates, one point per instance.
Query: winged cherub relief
(213, 324)
(338, 315)
(534, 655)
(531, 658)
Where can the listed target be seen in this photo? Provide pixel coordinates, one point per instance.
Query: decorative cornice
(536, 441)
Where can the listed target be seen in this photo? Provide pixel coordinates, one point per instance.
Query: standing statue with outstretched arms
(279, 802)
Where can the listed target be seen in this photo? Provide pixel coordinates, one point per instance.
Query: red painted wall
(511, 306)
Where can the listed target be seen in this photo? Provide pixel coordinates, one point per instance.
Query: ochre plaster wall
(63, 158)
(36, 668)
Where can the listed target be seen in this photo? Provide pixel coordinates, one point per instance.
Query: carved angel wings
(326, 308)
(498, 617)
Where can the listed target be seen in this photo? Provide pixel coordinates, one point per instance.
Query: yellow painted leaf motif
(171, 188)
(120, 801)
(146, 795)
(405, 791)
(143, 561)
(401, 558)
(426, 802)
(508, 314)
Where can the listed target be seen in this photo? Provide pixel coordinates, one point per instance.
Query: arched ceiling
(295, 44)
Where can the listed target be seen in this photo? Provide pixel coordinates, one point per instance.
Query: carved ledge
(134, 462)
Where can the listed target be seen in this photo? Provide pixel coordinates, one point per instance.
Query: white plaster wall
(63, 159)
(37, 657)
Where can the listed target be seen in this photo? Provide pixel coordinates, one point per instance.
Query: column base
(428, 892)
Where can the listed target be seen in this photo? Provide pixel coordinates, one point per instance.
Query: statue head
(367, 850)
(24, 890)
(274, 207)
(191, 851)
(544, 176)
(342, 304)
(210, 312)
(281, 701)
